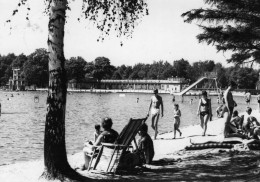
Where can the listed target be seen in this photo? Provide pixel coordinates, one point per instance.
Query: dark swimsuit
(204, 113)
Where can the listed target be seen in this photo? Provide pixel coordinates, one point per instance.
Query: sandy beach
(171, 162)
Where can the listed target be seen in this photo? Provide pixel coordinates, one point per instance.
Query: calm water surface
(22, 120)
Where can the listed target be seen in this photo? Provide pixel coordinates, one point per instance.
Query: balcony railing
(169, 81)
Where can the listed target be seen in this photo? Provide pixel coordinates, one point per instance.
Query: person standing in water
(156, 106)
(229, 106)
(204, 111)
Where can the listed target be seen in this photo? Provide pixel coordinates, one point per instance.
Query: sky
(162, 35)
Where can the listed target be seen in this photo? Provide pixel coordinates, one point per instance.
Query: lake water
(22, 121)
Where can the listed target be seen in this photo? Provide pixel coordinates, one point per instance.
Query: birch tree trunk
(55, 156)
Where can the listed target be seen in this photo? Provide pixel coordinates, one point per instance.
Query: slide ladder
(191, 86)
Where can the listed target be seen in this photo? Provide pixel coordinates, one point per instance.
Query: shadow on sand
(201, 165)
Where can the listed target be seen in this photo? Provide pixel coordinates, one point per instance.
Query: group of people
(246, 126)
(144, 148)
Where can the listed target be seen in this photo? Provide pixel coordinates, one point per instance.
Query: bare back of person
(228, 110)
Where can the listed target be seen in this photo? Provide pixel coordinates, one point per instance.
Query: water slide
(190, 87)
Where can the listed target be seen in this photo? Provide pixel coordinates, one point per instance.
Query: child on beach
(220, 109)
(97, 132)
(177, 121)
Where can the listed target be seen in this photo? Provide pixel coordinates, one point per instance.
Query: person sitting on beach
(229, 107)
(107, 136)
(177, 120)
(246, 119)
(156, 103)
(233, 129)
(236, 120)
(252, 128)
(97, 132)
(145, 145)
(204, 111)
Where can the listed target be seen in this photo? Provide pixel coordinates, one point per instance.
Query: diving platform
(207, 76)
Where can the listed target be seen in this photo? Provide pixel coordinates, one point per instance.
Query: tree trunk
(55, 156)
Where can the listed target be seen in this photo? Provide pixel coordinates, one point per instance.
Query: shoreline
(125, 91)
(165, 147)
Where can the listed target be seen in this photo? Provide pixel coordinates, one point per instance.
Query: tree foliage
(80, 70)
(230, 25)
(100, 68)
(35, 69)
(74, 67)
(120, 15)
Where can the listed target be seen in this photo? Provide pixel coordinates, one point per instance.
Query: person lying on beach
(177, 120)
(145, 145)
(107, 136)
(229, 107)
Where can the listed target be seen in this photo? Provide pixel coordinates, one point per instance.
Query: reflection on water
(23, 119)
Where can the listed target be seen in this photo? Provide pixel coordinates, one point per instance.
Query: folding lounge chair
(112, 157)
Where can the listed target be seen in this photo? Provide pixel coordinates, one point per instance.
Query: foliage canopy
(230, 25)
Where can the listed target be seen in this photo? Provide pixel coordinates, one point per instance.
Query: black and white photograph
(129, 90)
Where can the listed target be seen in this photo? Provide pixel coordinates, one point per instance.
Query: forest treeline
(34, 70)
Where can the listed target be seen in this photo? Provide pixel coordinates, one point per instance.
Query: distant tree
(246, 78)
(230, 25)
(141, 74)
(156, 70)
(75, 69)
(168, 71)
(6, 68)
(222, 80)
(209, 65)
(117, 75)
(127, 72)
(120, 72)
(19, 61)
(182, 68)
(100, 68)
(35, 69)
(134, 75)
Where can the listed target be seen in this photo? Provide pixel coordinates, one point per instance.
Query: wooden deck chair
(109, 158)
